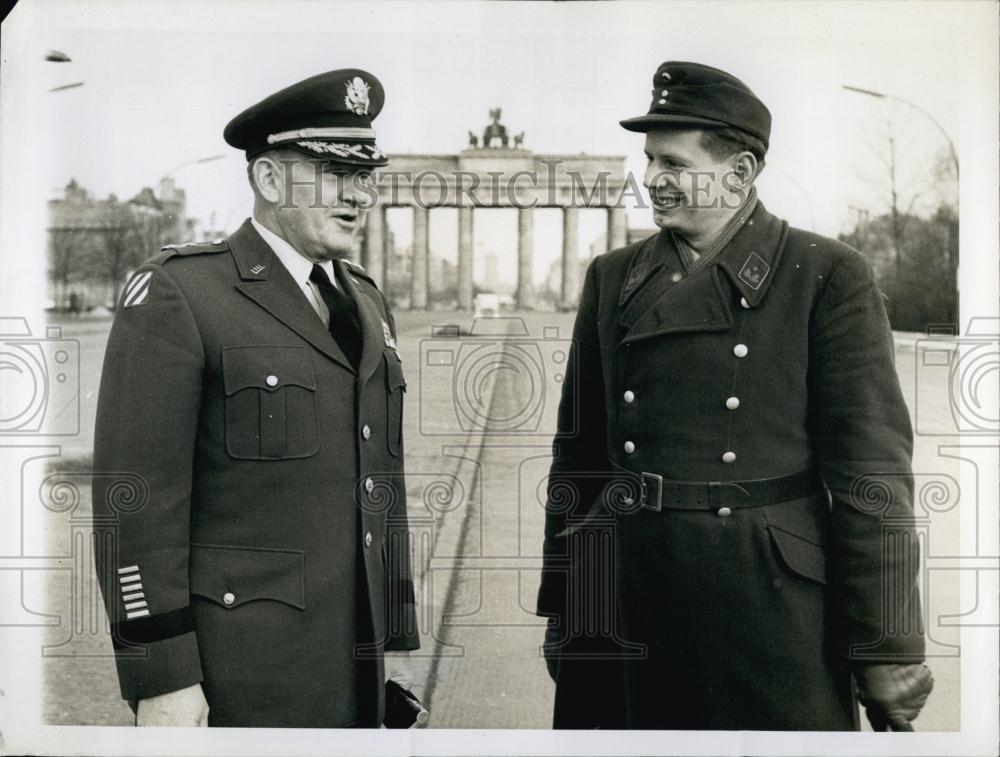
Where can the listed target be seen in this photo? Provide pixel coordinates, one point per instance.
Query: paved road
(477, 569)
(500, 681)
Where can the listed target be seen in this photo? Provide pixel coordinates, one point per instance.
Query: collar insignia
(390, 341)
(754, 271)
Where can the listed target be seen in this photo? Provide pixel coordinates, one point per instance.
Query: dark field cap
(328, 116)
(695, 95)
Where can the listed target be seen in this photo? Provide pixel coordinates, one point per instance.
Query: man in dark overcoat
(249, 504)
(746, 447)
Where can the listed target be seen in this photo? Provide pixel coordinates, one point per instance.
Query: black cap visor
(668, 121)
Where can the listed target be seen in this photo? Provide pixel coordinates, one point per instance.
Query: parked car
(486, 305)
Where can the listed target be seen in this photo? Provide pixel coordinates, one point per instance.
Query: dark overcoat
(249, 501)
(738, 600)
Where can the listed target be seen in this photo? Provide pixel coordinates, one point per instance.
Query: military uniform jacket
(774, 360)
(249, 501)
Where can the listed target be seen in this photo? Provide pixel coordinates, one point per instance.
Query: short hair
(727, 140)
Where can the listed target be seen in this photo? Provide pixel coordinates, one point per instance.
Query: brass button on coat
(724, 512)
(630, 447)
(629, 396)
(366, 432)
(740, 350)
(729, 457)
(369, 485)
(368, 539)
(228, 598)
(732, 403)
(271, 380)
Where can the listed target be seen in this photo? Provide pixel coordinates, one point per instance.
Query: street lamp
(884, 96)
(172, 171)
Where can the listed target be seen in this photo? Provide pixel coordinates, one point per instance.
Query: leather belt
(658, 493)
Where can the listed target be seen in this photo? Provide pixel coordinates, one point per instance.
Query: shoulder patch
(136, 291)
(196, 248)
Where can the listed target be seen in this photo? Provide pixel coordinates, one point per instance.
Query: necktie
(345, 327)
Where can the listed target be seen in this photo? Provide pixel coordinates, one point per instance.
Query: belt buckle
(656, 479)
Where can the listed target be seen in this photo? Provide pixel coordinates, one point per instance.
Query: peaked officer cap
(328, 116)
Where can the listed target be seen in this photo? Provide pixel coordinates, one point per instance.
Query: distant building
(94, 244)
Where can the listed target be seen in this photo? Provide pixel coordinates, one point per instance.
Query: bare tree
(66, 259)
(152, 232)
(121, 250)
(890, 175)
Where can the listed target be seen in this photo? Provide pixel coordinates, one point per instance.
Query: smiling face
(318, 206)
(691, 190)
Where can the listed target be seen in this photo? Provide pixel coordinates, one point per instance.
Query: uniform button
(630, 447)
(369, 485)
(733, 402)
(366, 432)
(724, 512)
(368, 539)
(744, 304)
(272, 380)
(629, 396)
(228, 598)
(740, 350)
(662, 101)
(628, 501)
(729, 457)
(664, 93)
(676, 276)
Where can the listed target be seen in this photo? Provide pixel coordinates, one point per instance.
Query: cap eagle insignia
(357, 96)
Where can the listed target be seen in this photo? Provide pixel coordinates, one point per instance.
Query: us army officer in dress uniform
(252, 402)
(746, 435)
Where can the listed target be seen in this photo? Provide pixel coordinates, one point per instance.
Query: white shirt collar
(297, 264)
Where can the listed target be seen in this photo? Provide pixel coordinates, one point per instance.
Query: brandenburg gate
(493, 174)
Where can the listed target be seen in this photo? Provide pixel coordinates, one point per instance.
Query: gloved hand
(550, 649)
(893, 695)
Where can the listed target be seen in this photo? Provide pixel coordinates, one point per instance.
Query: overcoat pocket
(801, 556)
(270, 403)
(232, 576)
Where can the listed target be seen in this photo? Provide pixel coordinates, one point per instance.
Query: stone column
(373, 254)
(525, 225)
(617, 228)
(421, 259)
(466, 240)
(570, 259)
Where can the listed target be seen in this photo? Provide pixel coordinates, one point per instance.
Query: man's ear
(266, 175)
(745, 168)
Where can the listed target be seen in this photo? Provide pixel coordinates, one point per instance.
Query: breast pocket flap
(266, 368)
(394, 378)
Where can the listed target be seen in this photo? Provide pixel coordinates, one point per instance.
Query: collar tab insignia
(754, 271)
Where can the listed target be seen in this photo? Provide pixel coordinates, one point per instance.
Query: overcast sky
(161, 81)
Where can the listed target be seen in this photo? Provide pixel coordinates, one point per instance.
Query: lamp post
(164, 190)
(208, 159)
(952, 260)
(884, 96)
